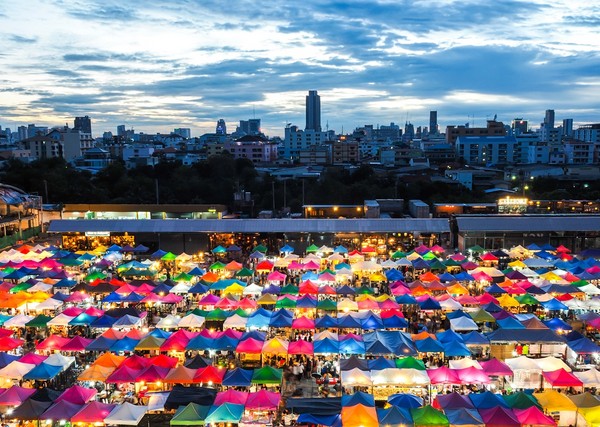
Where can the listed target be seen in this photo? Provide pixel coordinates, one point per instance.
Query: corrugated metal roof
(379, 225)
(528, 223)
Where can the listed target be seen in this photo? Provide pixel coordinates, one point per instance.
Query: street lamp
(525, 188)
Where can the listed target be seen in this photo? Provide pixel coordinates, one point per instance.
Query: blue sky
(155, 64)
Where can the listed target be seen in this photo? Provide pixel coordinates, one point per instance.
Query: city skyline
(186, 64)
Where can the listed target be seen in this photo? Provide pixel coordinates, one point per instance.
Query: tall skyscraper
(433, 124)
(549, 119)
(313, 111)
(221, 128)
(84, 124)
(567, 127)
(121, 131)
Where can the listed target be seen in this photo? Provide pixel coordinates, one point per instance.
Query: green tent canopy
(398, 255)
(217, 266)
(476, 248)
(70, 262)
(481, 316)
(327, 305)
(289, 289)
(183, 277)
(437, 265)
(428, 416)
(267, 375)
(190, 415)
(260, 248)
(244, 272)
(451, 263)
(95, 275)
(20, 287)
(217, 314)
(285, 303)
(428, 256)
(312, 248)
(39, 321)
(527, 299)
(410, 363)
(169, 256)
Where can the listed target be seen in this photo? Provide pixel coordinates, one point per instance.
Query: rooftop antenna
(327, 125)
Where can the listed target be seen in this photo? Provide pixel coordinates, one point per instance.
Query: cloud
(157, 65)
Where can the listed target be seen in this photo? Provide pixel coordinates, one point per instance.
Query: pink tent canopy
(472, 375)
(247, 304)
(496, 368)
(295, 265)
(388, 304)
(499, 417)
(311, 265)
(231, 396)
(326, 277)
(209, 299)
(93, 311)
(533, 416)
(77, 394)
(486, 299)
(124, 374)
(76, 343)
(250, 346)
(136, 362)
(93, 412)
(300, 347)
(15, 395)
(33, 358)
(327, 290)
(152, 374)
(562, 378)
(276, 276)
(267, 400)
(303, 323)
(368, 304)
(443, 375)
(232, 333)
(171, 299)
(53, 342)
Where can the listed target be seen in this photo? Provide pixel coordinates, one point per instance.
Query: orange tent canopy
(359, 416)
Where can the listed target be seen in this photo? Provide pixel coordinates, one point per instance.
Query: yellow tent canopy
(553, 401)
(508, 301)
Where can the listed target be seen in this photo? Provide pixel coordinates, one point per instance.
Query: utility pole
(273, 192)
(157, 193)
(46, 191)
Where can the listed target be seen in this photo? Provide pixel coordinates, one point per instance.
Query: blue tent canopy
(395, 416)
(495, 289)
(280, 320)
(393, 275)
(583, 346)
(463, 416)
(287, 249)
(326, 346)
(475, 338)
(326, 322)
(348, 321)
(160, 333)
(346, 290)
(351, 346)
(395, 322)
(389, 342)
(456, 348)
(306, 302)
(43, 371)
(238, 377)
(406, 299)
(371, 321)
(358, 398)
(6, 358)
(104, 321)
(380, 363)
(198, 288)
(510, 323)
(113, 297)
(429, 345)
(429, 304)
(257, 335)
(449, 335)
(556, 323)
(405, 400)
(554, 304)
(321, 420)
(101, 344)
(124, 344)
(454, 400)
(487, 400)
(83, 319)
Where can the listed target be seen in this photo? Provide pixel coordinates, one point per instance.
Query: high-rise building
(121, 132)
(184, 132)
(519, 126)
(313, 111)
(33, 130)
(221, 128)
(433, 124)
(83, 124)
(249, 127)
(567, 127)
(22, 133)
(549, 119)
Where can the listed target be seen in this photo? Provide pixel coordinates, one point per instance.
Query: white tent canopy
(356, 377)
(590, 378)
(463, 323)
(15, 370)
(191, 321)
(169, 321)
(60, 320)
(126, 414)
(464, 363)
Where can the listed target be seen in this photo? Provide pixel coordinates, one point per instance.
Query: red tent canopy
(562, 378)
